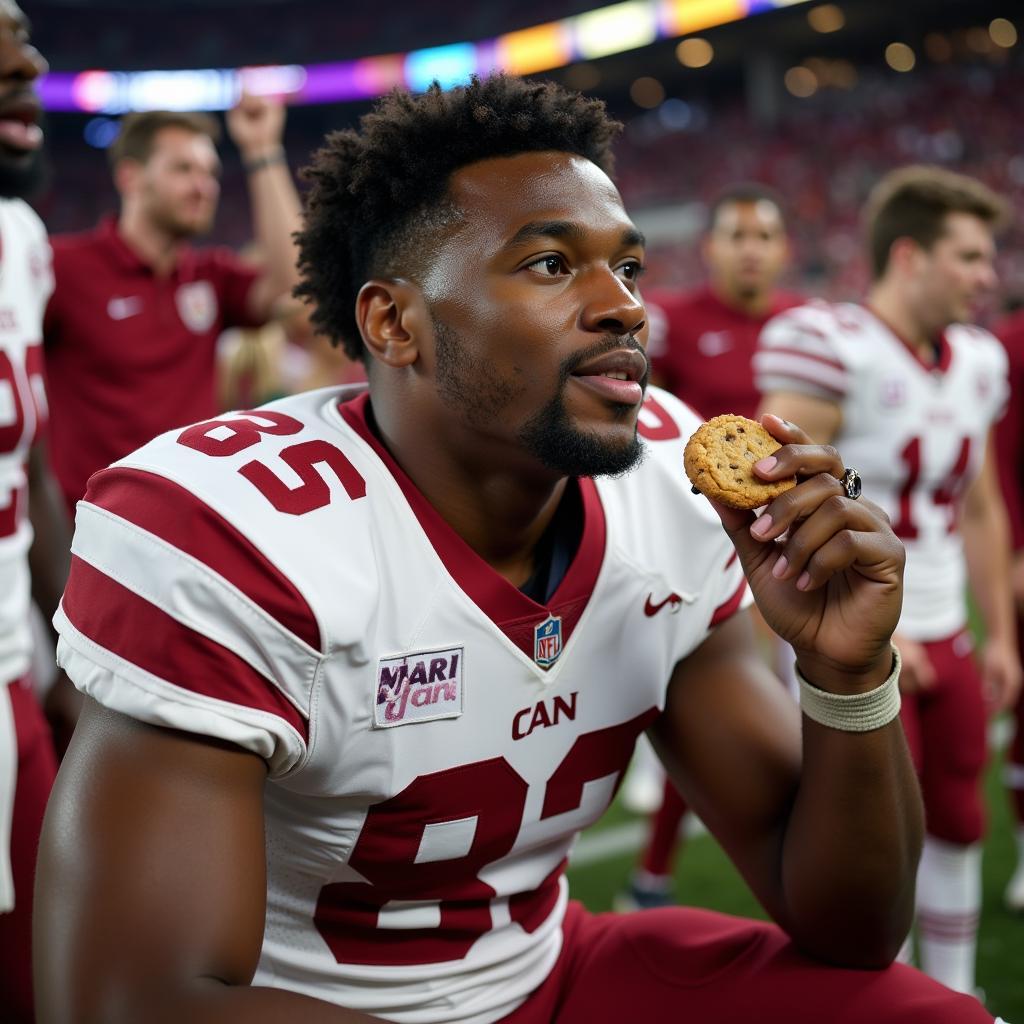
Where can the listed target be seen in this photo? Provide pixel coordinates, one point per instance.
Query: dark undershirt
(557, 547)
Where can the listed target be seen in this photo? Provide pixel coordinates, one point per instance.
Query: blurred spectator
(130, 332)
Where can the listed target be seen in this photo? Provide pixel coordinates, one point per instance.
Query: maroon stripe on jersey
(168, 511)
(127, 625)
(767, 377)
(787, 350)
(730, 607)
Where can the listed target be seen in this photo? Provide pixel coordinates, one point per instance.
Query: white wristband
(853, 712)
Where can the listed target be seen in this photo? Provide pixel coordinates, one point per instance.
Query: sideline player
(701, 348)
(703, 341)
(909, 392)
(362, 665)
(1010, 457)
(29, 507)
(132, 326)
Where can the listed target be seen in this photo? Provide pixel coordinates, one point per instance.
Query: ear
(905, 255)
(392, 316)
(127, 173)
(705, 248)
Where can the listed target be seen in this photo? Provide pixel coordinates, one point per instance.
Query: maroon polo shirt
(1010, 429)
(701, 349)
(130, 354)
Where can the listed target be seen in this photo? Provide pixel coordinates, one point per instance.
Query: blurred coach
(136, 311)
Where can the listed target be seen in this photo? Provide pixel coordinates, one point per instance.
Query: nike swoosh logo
(122, 309)
(714, 343)
(653, 609)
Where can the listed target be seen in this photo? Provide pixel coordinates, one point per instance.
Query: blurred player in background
(702, 347)
(34, 536)
(703, 341)
(910, 392)
(132, 326)
(1010, 449)
(342, 735)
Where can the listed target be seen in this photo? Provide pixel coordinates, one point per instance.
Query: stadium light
(826, 18)
(597, 33)
(1003, 32)
(647, 92)
(900, 57)
(801, 82)
(695, 53)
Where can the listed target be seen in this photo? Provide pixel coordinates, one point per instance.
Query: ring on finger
(850, 483)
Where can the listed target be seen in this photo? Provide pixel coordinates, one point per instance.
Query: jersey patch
(197, 305)
(421, 686)
(547, 641)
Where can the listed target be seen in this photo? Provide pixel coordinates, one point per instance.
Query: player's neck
(750, 304)
(500, 511)
(886, 302)
(156, 248)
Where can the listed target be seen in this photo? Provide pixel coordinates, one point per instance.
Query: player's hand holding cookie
(825, 568)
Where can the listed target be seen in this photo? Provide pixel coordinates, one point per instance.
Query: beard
(178, 229)
(550, 436)
(23, 175)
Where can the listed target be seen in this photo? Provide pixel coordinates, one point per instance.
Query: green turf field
(705, 878)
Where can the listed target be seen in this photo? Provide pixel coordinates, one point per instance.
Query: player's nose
(611, 306)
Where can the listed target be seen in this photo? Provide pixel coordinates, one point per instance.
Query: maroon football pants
(37, 767)
(945, 727)
(683, 966)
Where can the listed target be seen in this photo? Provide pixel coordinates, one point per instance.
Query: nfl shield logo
(197, 305)
(547, 641)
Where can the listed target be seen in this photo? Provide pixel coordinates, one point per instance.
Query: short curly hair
(377, 193)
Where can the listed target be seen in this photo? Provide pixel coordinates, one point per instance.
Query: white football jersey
(26, 281)
(915, 433)
(435, 738)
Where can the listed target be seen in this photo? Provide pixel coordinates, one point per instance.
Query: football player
(34, 536)
(360, 664)
(909, 390)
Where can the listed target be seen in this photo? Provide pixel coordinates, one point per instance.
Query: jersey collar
(515, 614)
(128, 259)
(945, 357)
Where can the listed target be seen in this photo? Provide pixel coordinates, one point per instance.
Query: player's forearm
(851, 845)
(277, 216)
(986, 539)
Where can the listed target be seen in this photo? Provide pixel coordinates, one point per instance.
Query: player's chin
(609, 423)
(195, 223)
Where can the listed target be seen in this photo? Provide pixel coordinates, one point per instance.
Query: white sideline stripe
(627, 838)
(609, 842)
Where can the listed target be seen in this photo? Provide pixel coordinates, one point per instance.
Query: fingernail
(804, 581)
(761, 526)
(780, 566)
(766, 465)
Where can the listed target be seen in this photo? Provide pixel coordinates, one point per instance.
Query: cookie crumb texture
(719, 460)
